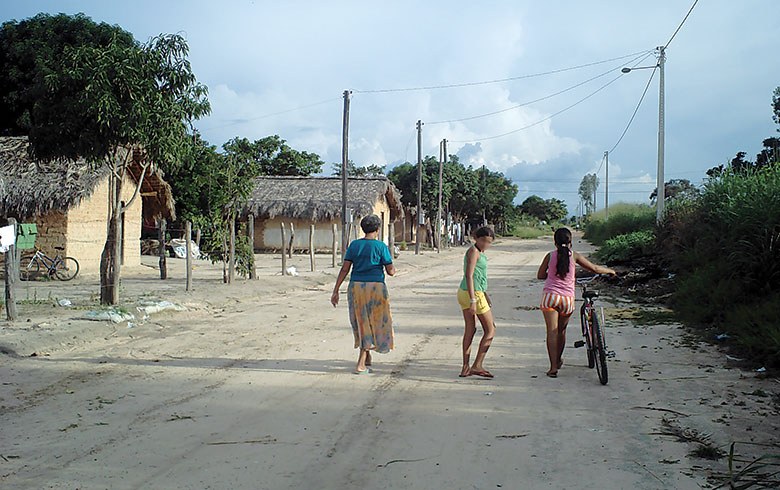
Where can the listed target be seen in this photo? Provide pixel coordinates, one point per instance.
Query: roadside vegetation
(717, 248)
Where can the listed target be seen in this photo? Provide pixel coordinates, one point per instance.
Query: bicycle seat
(590, 294)
(59, 248)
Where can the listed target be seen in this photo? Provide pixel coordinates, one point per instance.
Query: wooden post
(419, 187)
(284, 251)
(197, 237)
(403, 226)
(251, 231)
(188, 237)
(161, 251)
(391, 238)
(335, 243)
(11, 275)
(311, 248)
(232, 258)
(292, 240)
(344, 173)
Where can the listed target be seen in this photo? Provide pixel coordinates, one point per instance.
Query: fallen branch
(265, 440)
(400, 461)
(661, 410)
(651, 473)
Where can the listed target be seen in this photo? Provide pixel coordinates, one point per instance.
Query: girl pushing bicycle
(558, 271)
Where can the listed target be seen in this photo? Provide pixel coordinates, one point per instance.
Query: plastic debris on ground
(113, 316)
(292, 271)
(722, 336)
(64, 303)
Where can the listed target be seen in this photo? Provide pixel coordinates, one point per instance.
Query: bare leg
(468, 338)
(563, 322)
(489, 331)
(361, 362)
(553, 351)
(368, 358)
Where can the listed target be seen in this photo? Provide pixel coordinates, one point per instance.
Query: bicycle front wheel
(600, 350)
(66, 269)
(586, 333)
(29, 268)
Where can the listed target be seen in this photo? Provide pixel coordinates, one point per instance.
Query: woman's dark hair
(370, 223)
(484, 231)
(563, 244)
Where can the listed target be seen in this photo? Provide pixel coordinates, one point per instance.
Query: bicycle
(59, 267)
(592, 332)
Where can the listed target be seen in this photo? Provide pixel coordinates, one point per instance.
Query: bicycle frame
(49, 263)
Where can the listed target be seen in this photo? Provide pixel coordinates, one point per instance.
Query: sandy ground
(251, 388)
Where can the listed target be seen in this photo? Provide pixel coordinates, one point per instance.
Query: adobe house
(304, 201)
(69, 203)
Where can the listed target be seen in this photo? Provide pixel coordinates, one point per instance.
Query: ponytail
(563, 245)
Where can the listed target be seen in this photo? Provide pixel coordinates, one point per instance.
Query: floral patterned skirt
(369, 314)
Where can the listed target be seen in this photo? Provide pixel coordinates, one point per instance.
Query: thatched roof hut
(31, 188)
(319, 198)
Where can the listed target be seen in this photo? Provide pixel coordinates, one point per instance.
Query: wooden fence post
(11, 275)
(188, 249)
(311, 248)
(232, 257)
(391, 238)
(197, 237)
(335, 243)
(284, 251)
(251, 230)
(161, 250)
(292, 239)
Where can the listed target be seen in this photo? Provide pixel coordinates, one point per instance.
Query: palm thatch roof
(319, 198)
(29, 188)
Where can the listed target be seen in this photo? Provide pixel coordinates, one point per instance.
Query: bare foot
(560, 363)
(465, 372)
(552, 374)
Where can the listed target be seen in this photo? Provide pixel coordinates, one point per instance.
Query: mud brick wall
(87, 226)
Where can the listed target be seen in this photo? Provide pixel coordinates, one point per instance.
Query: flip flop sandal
(483, 374)
(367, 371)
(552, 375)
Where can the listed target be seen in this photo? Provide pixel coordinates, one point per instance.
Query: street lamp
(660, 193)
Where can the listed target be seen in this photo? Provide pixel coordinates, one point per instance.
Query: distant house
(69, 203)
(304, 201)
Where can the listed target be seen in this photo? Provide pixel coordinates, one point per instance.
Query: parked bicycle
(58, 267)
(592, 331)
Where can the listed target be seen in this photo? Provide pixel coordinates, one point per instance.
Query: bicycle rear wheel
(66, 269)
(585, 333)
(29, 268)
(600, 350)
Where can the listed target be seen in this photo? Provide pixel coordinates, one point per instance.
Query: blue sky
(262, 57)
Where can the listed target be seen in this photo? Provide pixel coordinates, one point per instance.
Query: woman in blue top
(369, 304)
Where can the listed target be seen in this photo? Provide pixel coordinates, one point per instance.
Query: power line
(647, 54)
(499, 80)
(264, 116)
(681, 24)
(652, 74)
(535, 100)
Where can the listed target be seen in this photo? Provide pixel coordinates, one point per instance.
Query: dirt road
(255, 391)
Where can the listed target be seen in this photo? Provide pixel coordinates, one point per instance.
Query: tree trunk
(110, 258)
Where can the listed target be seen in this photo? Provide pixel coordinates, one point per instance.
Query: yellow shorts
(465, 301)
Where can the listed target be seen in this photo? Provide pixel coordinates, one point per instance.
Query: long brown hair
(563, 245)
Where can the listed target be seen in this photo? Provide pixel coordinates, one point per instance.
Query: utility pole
(420, 221)
(606, 188)
(441, 191)
(344, 165)
(661, 192)
(441, 178)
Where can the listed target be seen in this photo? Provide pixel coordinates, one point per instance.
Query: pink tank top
(556, 285)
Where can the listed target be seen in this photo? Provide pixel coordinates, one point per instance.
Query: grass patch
(624, 248)
(644, 316)
(529, 232)
(623, 219)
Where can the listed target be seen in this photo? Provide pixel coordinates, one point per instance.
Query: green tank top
(480, 273)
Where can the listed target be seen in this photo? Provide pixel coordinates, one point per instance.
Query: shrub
(623, 219)
(623, 248)
(725, 246)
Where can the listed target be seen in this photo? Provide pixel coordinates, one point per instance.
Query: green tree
(534, 206)
(359, 171)
(676, 189)
(776, 106)
(587, 191)
(126, 103)
(38, 47)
